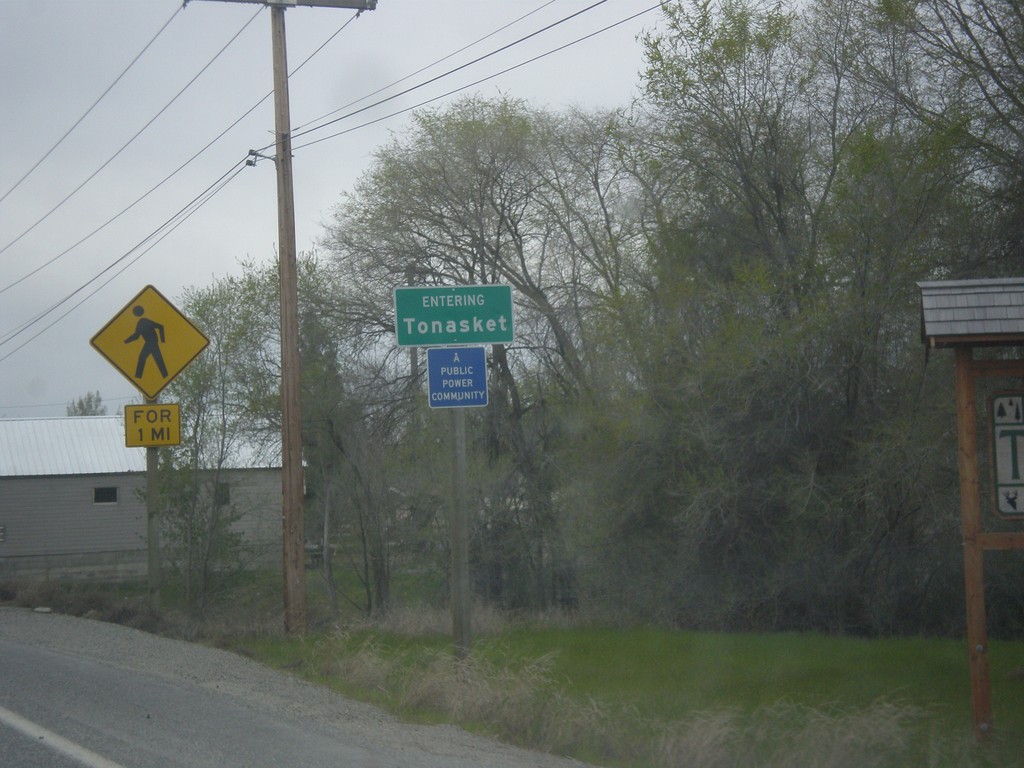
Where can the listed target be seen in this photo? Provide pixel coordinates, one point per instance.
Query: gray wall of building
(51, 527)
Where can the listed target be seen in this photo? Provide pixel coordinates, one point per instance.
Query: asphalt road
(80, 693)
(137, 720)
(18, 750)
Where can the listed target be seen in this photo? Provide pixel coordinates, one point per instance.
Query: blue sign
(457, 377)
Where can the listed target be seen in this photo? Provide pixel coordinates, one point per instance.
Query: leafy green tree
(492, 191)
(971, 85)
(90, 404)
(791, 208)
(716, 412)
(221, 394)
(349, 419)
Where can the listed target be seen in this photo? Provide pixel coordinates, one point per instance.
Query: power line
(179, 218)
(459, 68)
(173, 173)
(464, 87)
(93, 105)
(204, 197)
(166, 228)
(321, 46)
(428, 66)
(255, 106)
(133, 138)
(16, 332)
(138, 200)
(106, 400)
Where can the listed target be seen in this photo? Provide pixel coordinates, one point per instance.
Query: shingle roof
(983, 311)
(86, 445)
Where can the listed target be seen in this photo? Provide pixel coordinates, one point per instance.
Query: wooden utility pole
(293, 542)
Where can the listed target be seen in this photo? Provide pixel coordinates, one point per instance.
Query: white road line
(55, 742)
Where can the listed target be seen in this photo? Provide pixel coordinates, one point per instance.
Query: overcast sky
(129, 161)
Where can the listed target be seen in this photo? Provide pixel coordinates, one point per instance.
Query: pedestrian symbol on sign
(149, 341)
(152, 335)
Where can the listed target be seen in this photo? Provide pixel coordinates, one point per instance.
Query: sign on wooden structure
(961, 315)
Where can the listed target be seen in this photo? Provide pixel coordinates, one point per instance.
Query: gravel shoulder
(258, 686)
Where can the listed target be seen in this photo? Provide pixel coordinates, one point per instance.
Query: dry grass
(487, 621)
(425, 620)
(518, 703)
(86, 601)
(883, 735)
(129, 605)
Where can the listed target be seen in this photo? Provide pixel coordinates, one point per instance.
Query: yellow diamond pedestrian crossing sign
(149, 341)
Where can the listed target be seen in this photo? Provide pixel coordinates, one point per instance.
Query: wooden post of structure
(974, 566)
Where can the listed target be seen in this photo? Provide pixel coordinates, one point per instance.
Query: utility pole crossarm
(357, 5)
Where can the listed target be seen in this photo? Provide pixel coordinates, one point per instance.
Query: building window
(105, 495)
(221, 495)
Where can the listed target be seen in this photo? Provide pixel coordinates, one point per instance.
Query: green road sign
(453, 316)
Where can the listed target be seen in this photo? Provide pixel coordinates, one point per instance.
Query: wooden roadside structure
(964, 315)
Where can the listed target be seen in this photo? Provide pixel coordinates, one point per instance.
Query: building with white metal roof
(72, 506)
(93, 445)
(76, 445)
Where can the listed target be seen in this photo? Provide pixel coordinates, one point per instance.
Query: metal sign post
(150, 342)
(445, 319)
(155, 576)
(457, 379)
(461, 599)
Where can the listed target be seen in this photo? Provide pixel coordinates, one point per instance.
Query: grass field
(654, 697)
